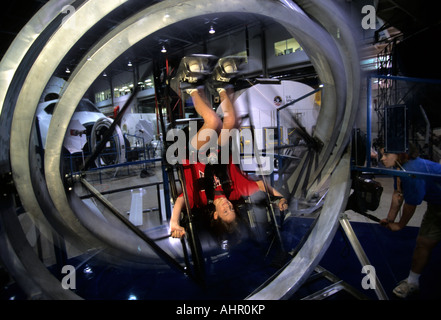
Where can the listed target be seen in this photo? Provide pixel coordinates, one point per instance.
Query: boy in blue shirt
(412, 191)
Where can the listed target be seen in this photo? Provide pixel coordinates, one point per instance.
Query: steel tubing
(320, 28)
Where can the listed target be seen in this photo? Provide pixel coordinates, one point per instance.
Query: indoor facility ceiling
(408, 17)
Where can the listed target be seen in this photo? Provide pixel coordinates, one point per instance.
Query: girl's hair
(412, 154)
(220, 227)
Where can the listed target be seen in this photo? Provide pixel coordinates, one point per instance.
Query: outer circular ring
(334, 58)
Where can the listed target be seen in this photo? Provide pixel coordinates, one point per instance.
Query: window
(126, 88)
(123, 89)
(102, 95)
(287, 46)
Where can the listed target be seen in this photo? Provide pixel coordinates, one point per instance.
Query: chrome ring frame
(334, 57)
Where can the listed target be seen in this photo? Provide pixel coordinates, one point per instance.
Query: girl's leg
(230, 118)
(212, 123)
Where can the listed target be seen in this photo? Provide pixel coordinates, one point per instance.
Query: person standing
(409, 192)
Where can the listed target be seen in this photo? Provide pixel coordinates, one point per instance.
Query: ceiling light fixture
(163, 50)
(129, 64)
(212, 31)
(67, 70)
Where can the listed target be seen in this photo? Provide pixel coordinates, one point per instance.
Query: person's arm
(175, 229)
(408, 211)
(283, 203)
(395, 205)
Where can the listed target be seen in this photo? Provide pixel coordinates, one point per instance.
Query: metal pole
(361, 255)
(195, 246)
(299, 99)
(410, 79)
(279, 158)
(161, 253)
(368, 121)
(265, 184)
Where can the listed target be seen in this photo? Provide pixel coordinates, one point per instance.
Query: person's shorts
(431, 224)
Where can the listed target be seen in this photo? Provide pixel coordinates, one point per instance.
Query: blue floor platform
(247, 265)
(391, 255)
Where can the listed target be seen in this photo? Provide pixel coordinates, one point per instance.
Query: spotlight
(212, 31)
(194, 67)
(67, 70)
(129, 64)
(228, 68)
(163, 50)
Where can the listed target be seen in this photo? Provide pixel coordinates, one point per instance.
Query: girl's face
(224, 210)
(388, 159)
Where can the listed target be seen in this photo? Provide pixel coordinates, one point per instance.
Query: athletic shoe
(405, 289)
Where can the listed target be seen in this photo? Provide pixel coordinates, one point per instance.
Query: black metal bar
(367, 215)
(194, 243)
(185, 251)
(299, 99)
(124, 189)
(162, 238)
(265, 184)
(396, 172)
(158, 250)
(195, 246)
(158, 196)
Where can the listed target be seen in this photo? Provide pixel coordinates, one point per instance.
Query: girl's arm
(175, 229)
